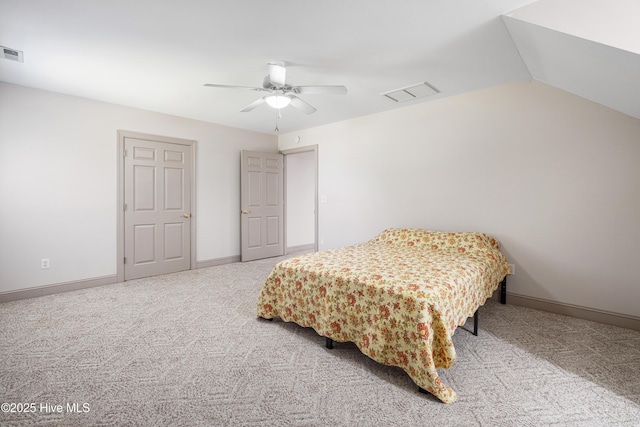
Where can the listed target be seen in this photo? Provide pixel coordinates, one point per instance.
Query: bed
(399, 297)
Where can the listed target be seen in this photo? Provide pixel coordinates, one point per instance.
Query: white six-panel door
(262, 205)
(157, 217)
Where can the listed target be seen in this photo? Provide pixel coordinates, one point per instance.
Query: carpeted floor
(187, 349)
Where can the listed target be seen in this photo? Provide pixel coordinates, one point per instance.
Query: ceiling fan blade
(299, 104)
(322, 90)
(235, 87)
(253, 105)
(277, 73)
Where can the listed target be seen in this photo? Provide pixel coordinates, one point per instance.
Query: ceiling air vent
(410, 92)
(11, 54)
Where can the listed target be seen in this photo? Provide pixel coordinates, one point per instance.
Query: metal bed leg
(475, 323)
(503, 290)
(329, 343)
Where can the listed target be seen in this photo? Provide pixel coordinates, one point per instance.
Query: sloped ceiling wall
(590, 48)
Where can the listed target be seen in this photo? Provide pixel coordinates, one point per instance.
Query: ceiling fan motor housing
(268, 84)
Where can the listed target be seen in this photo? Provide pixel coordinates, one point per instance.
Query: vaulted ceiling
(158, 54)
(590, 48)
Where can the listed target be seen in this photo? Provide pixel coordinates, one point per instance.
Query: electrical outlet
(512, 269)
(44, 263)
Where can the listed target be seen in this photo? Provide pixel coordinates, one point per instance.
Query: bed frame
(318, 291)
(503, 300)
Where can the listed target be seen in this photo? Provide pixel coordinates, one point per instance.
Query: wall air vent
(11, 54)
(410, 92)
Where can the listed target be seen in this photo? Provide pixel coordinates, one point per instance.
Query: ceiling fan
(280, 93)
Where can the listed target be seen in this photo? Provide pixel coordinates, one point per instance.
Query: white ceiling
(157, 54)
(590, 48)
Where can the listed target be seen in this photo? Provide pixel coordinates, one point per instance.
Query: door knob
(244, 212)
(186, 215)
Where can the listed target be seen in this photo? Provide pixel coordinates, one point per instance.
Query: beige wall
(58, 175)
(554, 177)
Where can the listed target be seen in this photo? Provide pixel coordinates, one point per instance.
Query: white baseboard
(592, 314)
(595, 315)
(57, 288)
(90, 283)
(300, 248)
(218, 261)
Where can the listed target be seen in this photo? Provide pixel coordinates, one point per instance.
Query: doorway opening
(301, 199)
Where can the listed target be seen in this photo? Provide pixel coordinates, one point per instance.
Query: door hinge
(125, 260)
(124, 153)
(124, 207)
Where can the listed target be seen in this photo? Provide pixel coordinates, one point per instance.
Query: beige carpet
(187, 349)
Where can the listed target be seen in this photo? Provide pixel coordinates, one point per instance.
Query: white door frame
(305, 149)
(122, 134)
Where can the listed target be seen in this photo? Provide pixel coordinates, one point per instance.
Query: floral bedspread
(399, 297)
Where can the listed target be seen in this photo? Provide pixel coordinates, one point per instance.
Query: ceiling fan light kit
(277, 101)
